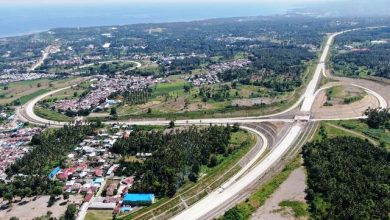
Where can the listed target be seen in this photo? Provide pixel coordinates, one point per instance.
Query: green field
(342, 95)
(27, 98)
(26, 90)
(380, 135)
(98, 215)
(299, 209)
(51, 115)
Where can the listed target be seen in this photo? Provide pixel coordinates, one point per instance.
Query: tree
(234, 214)
(70, 213)
(149, 111)
(39, 85)
(193, 177)
(187, 88)
(75, 94)
(377, 117)
(113, 111)
(65, 195)
(171, 124)
(347, 179)
(236, 127)
(213, 161)
(52, 200)
(8, 196)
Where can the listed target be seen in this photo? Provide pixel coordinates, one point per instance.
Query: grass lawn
(343, 95)
(299, 209)
(380, 135)
(51, 115)
(171, 88)
(98, 215)
(28, 89)
(28, 97)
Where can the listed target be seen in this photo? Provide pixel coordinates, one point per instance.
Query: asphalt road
(215, 202)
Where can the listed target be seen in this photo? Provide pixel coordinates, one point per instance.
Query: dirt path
(291, 189)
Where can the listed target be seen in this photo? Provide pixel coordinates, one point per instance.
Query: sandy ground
(354, 109)
(29, 209)
(291, 189)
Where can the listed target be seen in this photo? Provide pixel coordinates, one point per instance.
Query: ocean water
(17, 20)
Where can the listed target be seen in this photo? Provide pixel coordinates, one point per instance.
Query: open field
(26, 90)
(261, 195)
(98, 215)
(31, 208)
(344, 95)
(288, 201)
(357, 126)
(51, 115)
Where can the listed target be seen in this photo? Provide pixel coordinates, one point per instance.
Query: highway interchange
(298, 119)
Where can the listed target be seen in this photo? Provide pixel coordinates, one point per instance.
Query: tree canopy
(348, 178)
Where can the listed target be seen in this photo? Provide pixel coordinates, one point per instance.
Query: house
(98, 181)
(88, 197)
(54, 172)
(138, 199)
(102, 206)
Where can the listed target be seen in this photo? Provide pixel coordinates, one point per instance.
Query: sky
(30, 16)
(73, 2)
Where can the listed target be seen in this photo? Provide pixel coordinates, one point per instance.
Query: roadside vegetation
(298, 208)
(245, 209)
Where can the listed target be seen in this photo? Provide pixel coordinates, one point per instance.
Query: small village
(211, 77)
(14, 143)
(90, 171)
(11, 77)
(101, 89)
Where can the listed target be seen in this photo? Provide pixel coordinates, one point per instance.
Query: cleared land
(29, 208)
(291, 191)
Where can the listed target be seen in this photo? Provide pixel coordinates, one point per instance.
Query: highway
(218, 197)
(216, 202)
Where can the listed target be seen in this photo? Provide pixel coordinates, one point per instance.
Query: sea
(26, 19)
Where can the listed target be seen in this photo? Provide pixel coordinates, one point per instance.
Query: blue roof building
(138, 199)
(126, 209)
(54, 172)
(99, 180)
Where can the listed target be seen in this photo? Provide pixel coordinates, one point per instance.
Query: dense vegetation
(176, 156)
(30, 173)
(348, 178)
(378, 118)
(369, 56)
(274, 66)
(48, 149)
